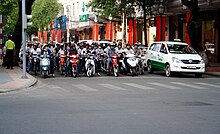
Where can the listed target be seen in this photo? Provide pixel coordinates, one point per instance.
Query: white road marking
(207, 84)
(85, 88)
(188, 85)
(163, 85)
(110, 86)
(138, 86)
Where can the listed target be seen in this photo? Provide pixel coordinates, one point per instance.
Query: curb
(31, 84)
(212, 73)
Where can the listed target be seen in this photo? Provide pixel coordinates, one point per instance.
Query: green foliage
(113, 7)
(44, 12)
(9, 9)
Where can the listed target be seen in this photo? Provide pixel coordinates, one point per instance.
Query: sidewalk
(10, 80)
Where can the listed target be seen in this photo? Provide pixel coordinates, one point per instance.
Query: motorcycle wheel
(133, 72)
(89, 73)
(45, 75)
(74, 70)
(35, 70)
(115, 71)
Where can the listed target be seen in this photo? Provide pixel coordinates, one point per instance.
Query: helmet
(112, 44)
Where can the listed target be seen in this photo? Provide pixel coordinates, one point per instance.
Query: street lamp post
(110, 18)
(161, 12)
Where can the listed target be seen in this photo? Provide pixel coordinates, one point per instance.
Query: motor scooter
(35, 64)
(132, 64)
(45, 65)
(62, 63)
(114, 65)
(74, 60)
(90, 65)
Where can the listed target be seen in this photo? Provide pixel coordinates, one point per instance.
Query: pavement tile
(11, 80)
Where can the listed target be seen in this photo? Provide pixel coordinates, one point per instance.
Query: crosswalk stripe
(138, 86)
(163, 85)
(188, 85)
(207, 84)
(85, 88)
(109, 86)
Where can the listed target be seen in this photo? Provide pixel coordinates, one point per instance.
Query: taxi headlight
(202, 61)
(176, 60)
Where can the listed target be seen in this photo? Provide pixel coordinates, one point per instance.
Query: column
(95, 32)
(160, 31)
(39, 36)
(45, 36)
(53, 35)
(59, 36)
(132, 32)
(187, 34)
(108, 31)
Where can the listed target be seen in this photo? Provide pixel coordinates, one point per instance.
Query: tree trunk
(194, 24)
(17, 36)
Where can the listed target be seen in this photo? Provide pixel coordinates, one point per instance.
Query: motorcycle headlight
(35, 60)
(176, 60)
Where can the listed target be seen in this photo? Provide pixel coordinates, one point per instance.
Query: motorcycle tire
(74, 71)
(115, 70)
(45, 75)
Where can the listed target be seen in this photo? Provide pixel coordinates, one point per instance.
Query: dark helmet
(128, 44)
(72, 45)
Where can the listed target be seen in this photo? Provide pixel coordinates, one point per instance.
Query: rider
(127, 50)
(109, 54)
(34, 51)
(100, 56)
(71, 51)
(137, 50)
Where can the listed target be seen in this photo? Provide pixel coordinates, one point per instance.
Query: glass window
(156, 47)
(180, 49)
(163, 49)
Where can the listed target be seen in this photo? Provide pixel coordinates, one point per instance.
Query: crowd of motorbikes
(88, 61)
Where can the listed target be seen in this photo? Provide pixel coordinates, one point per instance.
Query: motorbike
(45, 65)
(100, 58)
(90, 65)
(114, 65)
(132, 63)
(74, 60)
(62, 63)
(141, 64)
(35, 64)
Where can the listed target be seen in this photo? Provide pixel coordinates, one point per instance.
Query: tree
(9, 9)
(194, 24)
(44, 12)
(114, 7)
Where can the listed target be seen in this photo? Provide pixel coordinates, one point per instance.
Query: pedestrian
(10, 46)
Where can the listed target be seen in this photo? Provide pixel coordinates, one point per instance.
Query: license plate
(44, 68)
(191, 67)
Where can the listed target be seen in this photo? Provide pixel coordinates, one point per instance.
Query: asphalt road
(148, 104)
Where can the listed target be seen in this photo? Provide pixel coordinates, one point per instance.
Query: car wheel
(149, 67)
(168, 71)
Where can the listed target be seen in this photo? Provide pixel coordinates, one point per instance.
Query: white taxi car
(174, 57)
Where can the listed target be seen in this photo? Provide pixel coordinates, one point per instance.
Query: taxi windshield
(180, 49)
